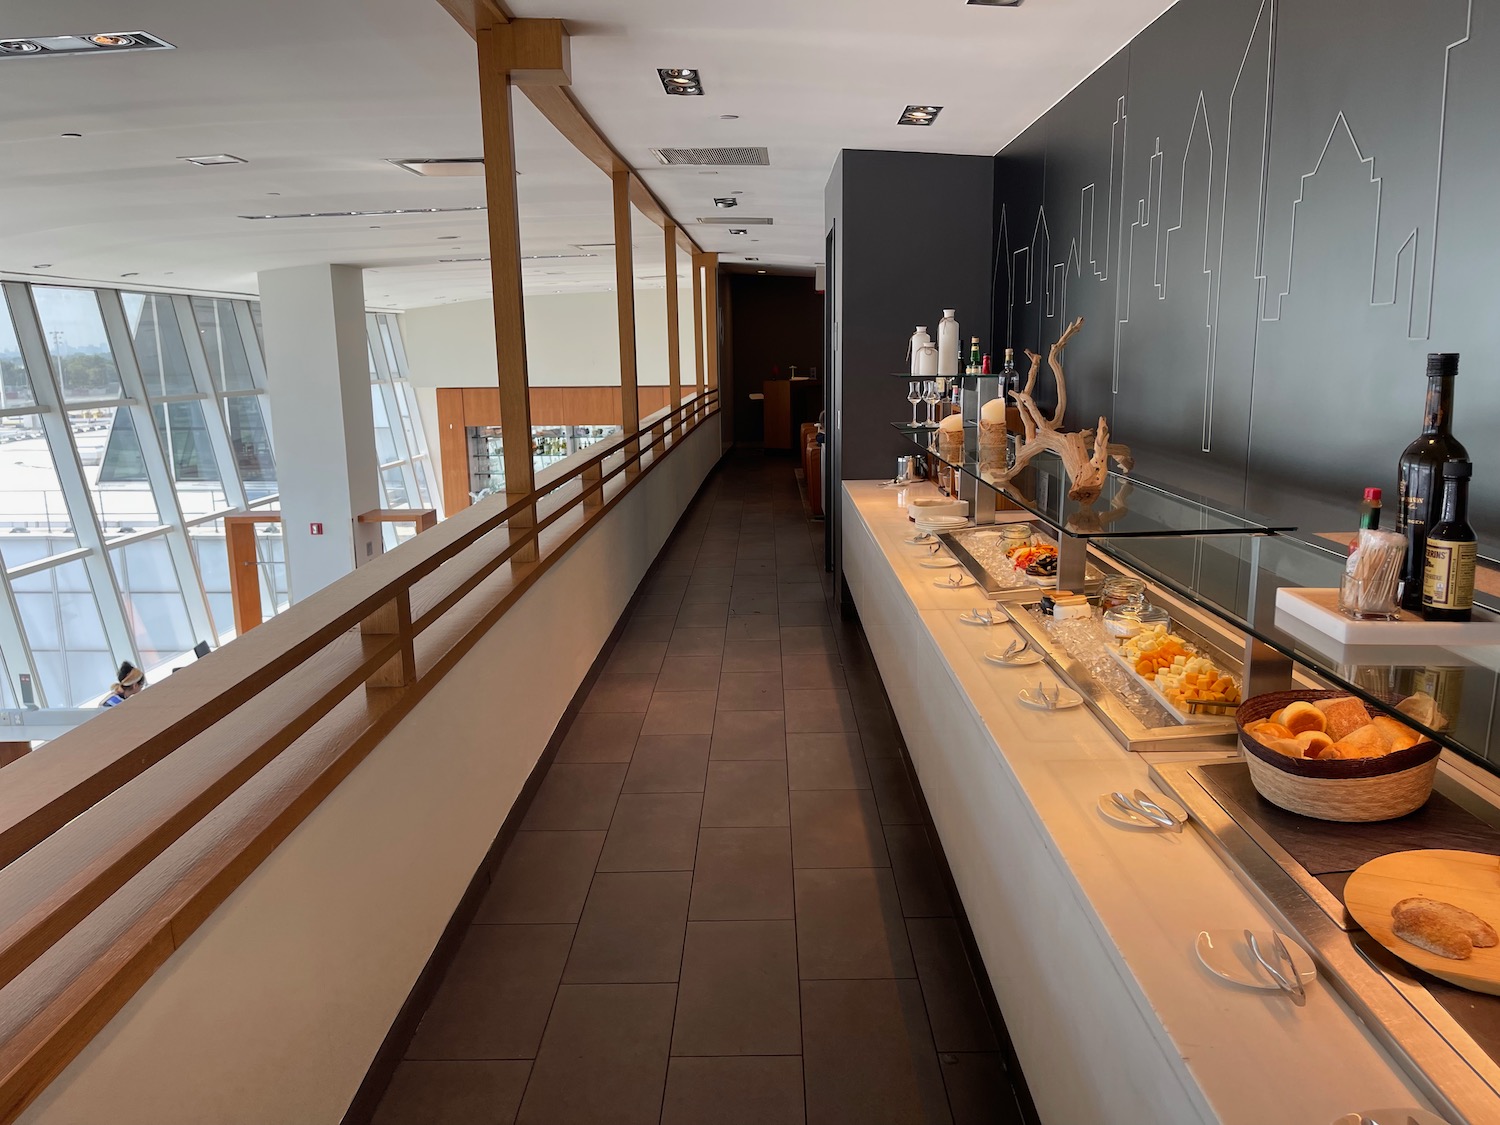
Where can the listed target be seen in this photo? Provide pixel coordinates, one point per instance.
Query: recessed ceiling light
(215, 158)
(919, 114)
(726, 201)
(443, 166)
(446, 237)
(995, 3)
(760, 271)
(130, 275)
(729, 117)
(683, 81)
(43, 266)
(738, 230)
(99, 43)
(72, 135)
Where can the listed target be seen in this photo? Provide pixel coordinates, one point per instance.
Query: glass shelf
(1129, 506)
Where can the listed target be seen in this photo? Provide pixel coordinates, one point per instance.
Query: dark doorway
(776, 324)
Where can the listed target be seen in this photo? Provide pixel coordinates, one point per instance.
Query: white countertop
(1242, 1057)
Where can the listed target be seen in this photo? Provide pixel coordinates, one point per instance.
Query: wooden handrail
(64, 857)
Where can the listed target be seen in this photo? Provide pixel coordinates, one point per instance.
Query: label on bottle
(1448, 579)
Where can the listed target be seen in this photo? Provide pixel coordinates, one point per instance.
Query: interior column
(318, 375)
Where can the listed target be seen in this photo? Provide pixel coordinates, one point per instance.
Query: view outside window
(130, 425)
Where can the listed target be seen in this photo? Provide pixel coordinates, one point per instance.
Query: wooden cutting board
(1467, 879)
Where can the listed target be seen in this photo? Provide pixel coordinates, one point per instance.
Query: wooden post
(496, 57)
(698, 344)
(244, 568)
(674, 331)
(630, 399)
(711, 328)
(393, 619)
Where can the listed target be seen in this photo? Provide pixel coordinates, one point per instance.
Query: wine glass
(914, 396)
(932, 396)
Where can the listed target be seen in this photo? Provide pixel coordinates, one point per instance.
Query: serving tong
(1047, 701)
(1014, 649)
(1284, 972)
(1142, 805)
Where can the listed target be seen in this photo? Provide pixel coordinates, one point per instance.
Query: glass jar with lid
(1133, 616)
(1013, 535)
(1120, 589)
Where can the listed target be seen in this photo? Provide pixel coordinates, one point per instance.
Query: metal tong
(1144, 806)
(1048, 701)
(1014, 649)
(1284, 972)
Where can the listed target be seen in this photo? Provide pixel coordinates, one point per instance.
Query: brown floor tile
(657, 605)
(825, 761)
(752, 656)
(750, 691)
(979, 1090)
(866, 1057)
(649, 628)
(575, 797)
(749, 736)
(808, 639)
(749, 794)
(893, 792)
(652, 832)
(473, 1092)
(703, 615)
(954, 1010)
(604, 1058)
(543, 877)
(818, 711)
(680, 712)
(603, 737)
(924, 893)
(615, 692)
(668, 763)
(632, 926)
(706, 595)
(836, 828)
(752, 546)
(754, 566)
(880, 741)
(734, 1091)
(636, 657)
(750, 604)
(762, 627)
(801, 615)
(689, 673)
(789, 593)
(849, 925)
(696, 642)
(814, 670)
(661, 582)
(742, 874)
(738, 994)
(494, 999)
(754, 584)
(802, 574)
(711, 575)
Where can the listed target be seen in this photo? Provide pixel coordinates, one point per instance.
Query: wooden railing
(120, 838)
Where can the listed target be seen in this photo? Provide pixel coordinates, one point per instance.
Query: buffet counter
(1087, 929)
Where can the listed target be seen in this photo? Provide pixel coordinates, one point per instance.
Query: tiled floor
(722, 905)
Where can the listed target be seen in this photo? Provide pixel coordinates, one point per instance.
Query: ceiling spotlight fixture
(919, 114)
(994, 3)
(99, 43)
(760, 271)
(137, 274)
(680, 81)
(729, 117)
(726, 201)
(443, 166)
(752, 259)
(738, 230)
(43, 266)
(216, 158)
(71, 136)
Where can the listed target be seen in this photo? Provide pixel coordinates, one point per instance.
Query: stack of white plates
(940, 523)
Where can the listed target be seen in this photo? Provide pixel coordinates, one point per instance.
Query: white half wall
(572, 340)
(272, 1011)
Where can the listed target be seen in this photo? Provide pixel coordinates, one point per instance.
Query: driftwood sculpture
(1085, 454)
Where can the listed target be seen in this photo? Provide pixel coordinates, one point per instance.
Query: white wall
(572, 340)
(272, 1011)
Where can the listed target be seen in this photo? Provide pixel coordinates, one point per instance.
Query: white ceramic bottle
(919, 339)
(927, 360)
(948, 344)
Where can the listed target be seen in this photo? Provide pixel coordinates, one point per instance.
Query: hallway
(723, 906)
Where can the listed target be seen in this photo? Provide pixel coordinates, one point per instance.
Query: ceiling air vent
(712, 157)
(724, 221)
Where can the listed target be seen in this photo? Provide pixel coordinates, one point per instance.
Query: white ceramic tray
(1319, 608)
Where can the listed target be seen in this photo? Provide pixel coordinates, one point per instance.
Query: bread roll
(1441, 928)
(1345, 714)
(1366, 742)
(1267, 732)
(1301, 716)
(1397, 734)
(1288, 746)
(1277, 716)
(1313, 743)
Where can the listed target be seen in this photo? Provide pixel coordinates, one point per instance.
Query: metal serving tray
(991, 586)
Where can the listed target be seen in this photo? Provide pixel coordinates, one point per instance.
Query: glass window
(81, 356)
(251, 444)
(68, 643)
(220, 329)
(385, 441)
(114, 469)
(15, 387)
(370, 353)
(411, 426)
(424, 485)
(260, 333)
(395, 356)
(195, 470)
(270, 549)
(34, 519)
(394, 481)
(211, 550)
(159, 349)
(154, 604)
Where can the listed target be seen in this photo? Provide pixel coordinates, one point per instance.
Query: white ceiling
(317, 94)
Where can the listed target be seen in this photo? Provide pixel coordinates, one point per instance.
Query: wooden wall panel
(453, 448)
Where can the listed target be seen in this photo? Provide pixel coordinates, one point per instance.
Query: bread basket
(1343, 789)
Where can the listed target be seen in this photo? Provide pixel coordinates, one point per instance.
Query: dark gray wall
(1269, 211)
(911, 237)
